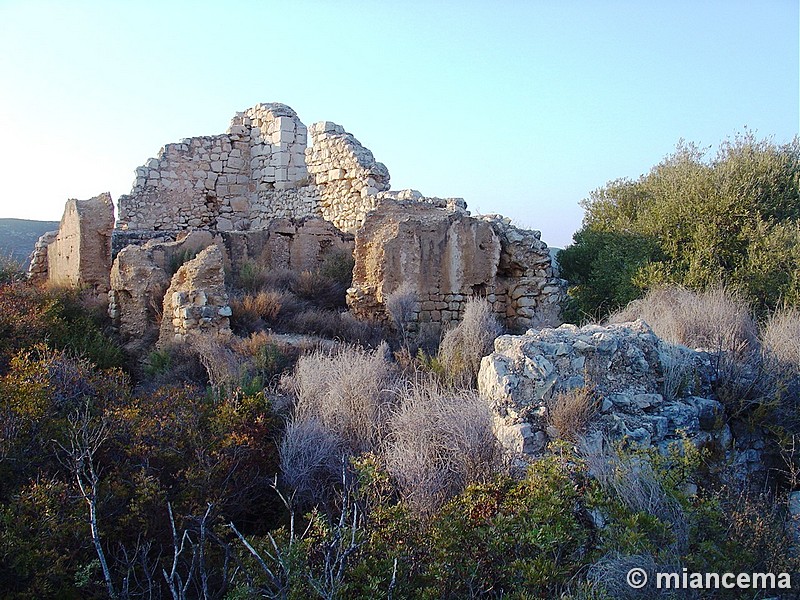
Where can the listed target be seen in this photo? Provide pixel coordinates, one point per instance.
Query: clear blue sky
(522, 108)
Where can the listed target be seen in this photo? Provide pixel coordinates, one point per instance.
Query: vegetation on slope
(369, 469)
(18, 236)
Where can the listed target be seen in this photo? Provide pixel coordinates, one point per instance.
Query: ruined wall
(261, 169)
(446, 257)
(141, 273)
(346, 174)
(234, 181)
(80, 254)
(297, 244)
(624, 366)
(37, 267)
(196, 302)
(140, 277)
(527, 284)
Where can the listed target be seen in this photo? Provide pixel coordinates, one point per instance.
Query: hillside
(18, 236)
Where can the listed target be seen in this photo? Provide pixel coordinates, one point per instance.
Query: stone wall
(446, 257)
(273, 199)
(37, 267)
(527, 287)
(142, 272)
(80, 254)
(623, 365)
(196, 303)
(261, 169)
(140, 277)
(346, 174)
(296, 244)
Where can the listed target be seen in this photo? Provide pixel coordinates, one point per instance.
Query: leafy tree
(733, 220)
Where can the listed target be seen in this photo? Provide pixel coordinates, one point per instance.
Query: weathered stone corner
(196, 303)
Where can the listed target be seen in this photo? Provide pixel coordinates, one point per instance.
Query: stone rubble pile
(642, 386)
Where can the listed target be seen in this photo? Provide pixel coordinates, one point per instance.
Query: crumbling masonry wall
(444, 256)
(273, 192)
(196, 302)
(261, 169)
(141, 273)
(78, 255)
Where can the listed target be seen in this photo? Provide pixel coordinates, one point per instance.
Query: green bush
(731, 220)
(10, 270)
(63, 319)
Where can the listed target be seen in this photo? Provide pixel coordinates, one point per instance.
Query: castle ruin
(274, 191)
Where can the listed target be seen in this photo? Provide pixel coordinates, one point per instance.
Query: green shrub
(731, 220)
(64, 319)
(10, 270)
(510, 538)
(158, 362)
(180, 258)
(337, 265)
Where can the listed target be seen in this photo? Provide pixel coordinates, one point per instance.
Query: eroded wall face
(445, 257)
(80, 254)
(231, 182)
(141, 273)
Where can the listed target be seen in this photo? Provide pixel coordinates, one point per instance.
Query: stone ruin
(196, 302)
(261, 169)
(446, 257)
(274, 192)
(79, 253)
(640, 385)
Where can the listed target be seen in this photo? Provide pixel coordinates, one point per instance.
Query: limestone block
(240, 204)
(424, 247)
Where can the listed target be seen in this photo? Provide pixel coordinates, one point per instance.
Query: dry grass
(633, 480)
(401, 305)
(223, 366)
(265, 358)
(677, 369)
(349, 393)
(333, 324)
(463, 347)
(611, 571)
(311, 461)
(255, 311)
(780, 338)
(717, 319)
(319, 290)
(720, 322)
(441, 440)
(571, 411)
(279, 279)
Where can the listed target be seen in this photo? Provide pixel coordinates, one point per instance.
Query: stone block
(283, 137)
(280, 159)
(284, 124)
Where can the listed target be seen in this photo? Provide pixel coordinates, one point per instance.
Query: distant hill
(18, 237)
